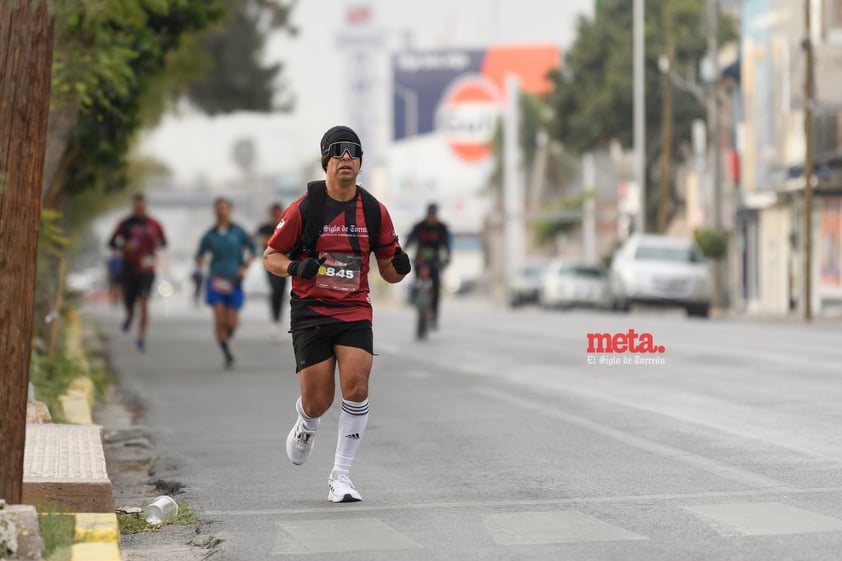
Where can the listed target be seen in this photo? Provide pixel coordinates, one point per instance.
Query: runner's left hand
(401, 262)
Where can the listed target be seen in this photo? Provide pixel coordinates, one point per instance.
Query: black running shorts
(138, 285)
(313, 345)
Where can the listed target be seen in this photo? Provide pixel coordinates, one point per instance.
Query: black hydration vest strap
(312, 210)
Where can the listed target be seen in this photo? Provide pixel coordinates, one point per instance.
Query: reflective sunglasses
(337, 149)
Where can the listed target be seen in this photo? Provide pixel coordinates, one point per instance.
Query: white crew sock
(352, 421)
(310, 423)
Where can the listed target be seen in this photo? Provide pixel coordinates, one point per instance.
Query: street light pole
(809, 95)
(713, 110)
(640, 112)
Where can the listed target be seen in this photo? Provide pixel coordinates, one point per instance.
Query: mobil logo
(467, 116)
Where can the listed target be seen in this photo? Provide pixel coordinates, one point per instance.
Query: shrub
(713, 242)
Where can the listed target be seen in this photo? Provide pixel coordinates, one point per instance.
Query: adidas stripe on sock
(352, 422)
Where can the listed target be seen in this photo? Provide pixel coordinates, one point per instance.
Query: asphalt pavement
(502, 437)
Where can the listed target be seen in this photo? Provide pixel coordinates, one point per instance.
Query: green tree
(558, 166)
(240, 79)
(119, 64)
(593, 94)
(110, 59)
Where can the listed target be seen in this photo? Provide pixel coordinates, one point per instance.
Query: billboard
(446, 105)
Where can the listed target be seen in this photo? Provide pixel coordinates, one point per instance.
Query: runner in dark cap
(330, 312)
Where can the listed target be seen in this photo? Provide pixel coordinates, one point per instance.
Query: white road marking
(765, 519)
(570, 526)
(527, 503)
(706, 464)
(342, 535)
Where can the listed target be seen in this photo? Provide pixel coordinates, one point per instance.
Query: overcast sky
(317, 70)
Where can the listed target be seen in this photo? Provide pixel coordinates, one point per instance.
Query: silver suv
(661, 270)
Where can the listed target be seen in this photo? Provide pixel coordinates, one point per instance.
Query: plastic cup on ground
(160, 510)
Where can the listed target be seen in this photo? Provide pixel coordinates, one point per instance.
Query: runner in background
(114, 270)
(277, 284)
(138, 237)
(228, 244)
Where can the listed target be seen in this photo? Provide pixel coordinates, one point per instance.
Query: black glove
(401, 262)
(306, 269)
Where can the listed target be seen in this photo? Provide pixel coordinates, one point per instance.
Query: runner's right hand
(306, 269)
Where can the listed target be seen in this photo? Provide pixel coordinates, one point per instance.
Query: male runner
(277, 284)
(330, 312)
(138, 237)
(228, 244)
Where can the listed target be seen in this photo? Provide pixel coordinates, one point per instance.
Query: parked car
(526, 284)
(567, 284)
(661, 270)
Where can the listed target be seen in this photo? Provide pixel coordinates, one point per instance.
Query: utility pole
(513, 198)
(666, 144)
(590, 192)
(809, 98)
(714, 142)
(640, 111)
(26, 53)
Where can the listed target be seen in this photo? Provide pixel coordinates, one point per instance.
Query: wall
(774, 261)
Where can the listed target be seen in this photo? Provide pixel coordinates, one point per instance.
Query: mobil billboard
(446, 105)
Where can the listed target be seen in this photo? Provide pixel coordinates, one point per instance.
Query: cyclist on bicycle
(433, 240)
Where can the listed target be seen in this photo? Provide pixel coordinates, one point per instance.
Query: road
(497, 439)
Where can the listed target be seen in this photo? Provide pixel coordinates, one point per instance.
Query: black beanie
(339, 133)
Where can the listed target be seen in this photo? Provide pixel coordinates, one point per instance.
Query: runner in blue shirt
(228, 244)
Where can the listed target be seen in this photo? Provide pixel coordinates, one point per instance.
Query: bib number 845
(340, 273)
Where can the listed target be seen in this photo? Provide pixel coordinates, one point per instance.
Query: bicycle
(422, 298)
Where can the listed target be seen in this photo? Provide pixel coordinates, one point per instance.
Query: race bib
(147, 261)
(222, 285)
(339, 271)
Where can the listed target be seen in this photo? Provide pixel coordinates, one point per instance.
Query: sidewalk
(65, 469)
(136, 474)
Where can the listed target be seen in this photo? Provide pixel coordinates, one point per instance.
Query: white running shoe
(342, 490)
(300, 442)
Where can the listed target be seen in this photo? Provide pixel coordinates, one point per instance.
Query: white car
(526, 284)
(661, 270)
(569, 283)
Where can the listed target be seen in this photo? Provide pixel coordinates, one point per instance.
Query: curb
(96, 527)
(78, 402)
(101, 551)
(97, 538)
(97, 535)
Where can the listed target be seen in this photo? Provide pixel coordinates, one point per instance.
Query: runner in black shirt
(277, 285)
(433, 240)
